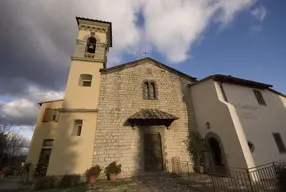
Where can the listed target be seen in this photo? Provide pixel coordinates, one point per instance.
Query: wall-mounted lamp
(208, 125)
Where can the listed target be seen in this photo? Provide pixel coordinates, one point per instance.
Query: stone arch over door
(215, 155)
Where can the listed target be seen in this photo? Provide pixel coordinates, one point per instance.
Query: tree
(196, 146)
(12, 144)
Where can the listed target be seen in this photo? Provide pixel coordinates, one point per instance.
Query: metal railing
(81, 51)
(270, 177)
(262, 178)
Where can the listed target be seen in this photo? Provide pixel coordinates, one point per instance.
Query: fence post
(274, 168)
(213, 184)
(249, 179)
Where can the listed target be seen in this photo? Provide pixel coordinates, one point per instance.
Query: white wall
(209, 108)
(260, 121)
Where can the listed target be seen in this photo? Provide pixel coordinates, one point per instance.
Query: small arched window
(91, 44)
(149, 90)
(152, 90)
(85, 80)
(146, 90)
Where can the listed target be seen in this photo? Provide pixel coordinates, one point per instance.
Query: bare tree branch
(12, 144)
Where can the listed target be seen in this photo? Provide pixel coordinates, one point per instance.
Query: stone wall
(121, 96)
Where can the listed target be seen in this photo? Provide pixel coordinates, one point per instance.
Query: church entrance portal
(153, 152)
(216, 157)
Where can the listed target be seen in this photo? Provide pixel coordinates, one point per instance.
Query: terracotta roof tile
(152, 114)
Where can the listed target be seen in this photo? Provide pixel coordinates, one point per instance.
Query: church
(140, 114)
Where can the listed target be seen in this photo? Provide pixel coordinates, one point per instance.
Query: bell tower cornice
(94, 25)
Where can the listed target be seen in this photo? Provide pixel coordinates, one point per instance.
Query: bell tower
(92, 45)
(93, 41)
(77, 120)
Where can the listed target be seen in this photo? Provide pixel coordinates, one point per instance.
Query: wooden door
(153, 152)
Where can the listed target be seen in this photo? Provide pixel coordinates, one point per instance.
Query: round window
(251, 146)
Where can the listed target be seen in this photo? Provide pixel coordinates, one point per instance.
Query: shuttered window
(47, 115)
(50, 115)
(259, 97)
(279, 142)
(55, 115)
(85, 80)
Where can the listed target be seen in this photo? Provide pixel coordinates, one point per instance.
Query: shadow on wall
(138, 159)
(191, 123)
(276, 117)
(64, 158)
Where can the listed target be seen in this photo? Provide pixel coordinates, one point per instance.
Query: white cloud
(37, 94)
(173, 26)
(21, 111)
(259, 13)
(24, 110)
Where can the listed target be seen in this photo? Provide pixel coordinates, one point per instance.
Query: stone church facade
(121, 97)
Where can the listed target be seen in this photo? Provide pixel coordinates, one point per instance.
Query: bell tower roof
(87, 21)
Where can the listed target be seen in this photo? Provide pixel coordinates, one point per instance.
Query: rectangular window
(48, 142)
(77, 127)
(44, 157)
(50, 115)
(259, 97)
(279, 142)
(86, 83)
(55, 115)
(85, 80)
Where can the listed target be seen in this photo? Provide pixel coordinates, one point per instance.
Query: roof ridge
(134, 62)
(40, 103)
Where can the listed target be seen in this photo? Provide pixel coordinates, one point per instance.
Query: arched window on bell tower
(91, 43)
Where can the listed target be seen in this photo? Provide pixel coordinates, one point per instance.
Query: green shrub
(69, 181)
(47, 182)
(93, 171)
(113, 168)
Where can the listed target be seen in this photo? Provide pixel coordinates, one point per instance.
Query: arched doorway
(216, 156)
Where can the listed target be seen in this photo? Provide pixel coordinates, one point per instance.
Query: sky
(242, 38)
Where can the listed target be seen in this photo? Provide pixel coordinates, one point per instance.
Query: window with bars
(259, 97)
(279, 142)
(149, 90)
(85, 80)
(77, 127)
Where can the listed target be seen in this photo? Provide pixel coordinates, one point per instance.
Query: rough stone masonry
(121, 96)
